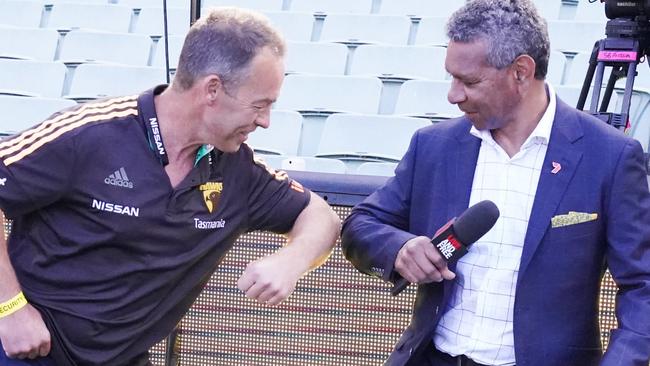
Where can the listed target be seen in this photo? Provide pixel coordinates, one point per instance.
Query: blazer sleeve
(378, 227)
(628, 257)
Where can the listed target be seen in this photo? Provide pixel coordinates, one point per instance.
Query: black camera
(626, 8)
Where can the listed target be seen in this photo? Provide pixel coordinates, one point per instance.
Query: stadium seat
(556, 66)
(332, 6)
(356, 138)
(281, 138)
(139, 4)
(304, 163)
(28, 43)
(420, 8)
(106, 17)
(21, 13)
(316, 57)
(92, 46)
(175, 45)
(577, 69)
(384, 169)
(32, 77)
(359, 29)
(295, 26)
(426, 98)
(549, 9)
(91, 81)
(19, 112)
(150, 21)
(318, 96)
(329, 93)
(399, 61)
(431, 31)
(570, 94)
(573, 37)
(101, 2)
(274, 5)
(588, 11)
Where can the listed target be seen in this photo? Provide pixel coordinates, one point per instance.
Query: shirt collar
(147, 112)
(541, 133)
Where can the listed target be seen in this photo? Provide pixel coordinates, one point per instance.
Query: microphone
(454, 238)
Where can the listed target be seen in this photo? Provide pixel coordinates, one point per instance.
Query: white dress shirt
(478, 321)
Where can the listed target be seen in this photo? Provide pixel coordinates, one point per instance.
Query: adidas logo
(119, 178)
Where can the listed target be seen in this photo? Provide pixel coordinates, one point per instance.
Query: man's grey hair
(510, 28)
(223, 42)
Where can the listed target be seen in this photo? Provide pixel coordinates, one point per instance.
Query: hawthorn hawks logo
(211, 194)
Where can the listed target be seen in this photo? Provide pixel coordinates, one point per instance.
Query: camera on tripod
(626, 9)
(627, 42)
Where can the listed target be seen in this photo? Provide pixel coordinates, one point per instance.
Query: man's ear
(524, 68)
(211, 87)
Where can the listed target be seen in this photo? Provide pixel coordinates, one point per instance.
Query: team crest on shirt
(211, 194)
(280, 175)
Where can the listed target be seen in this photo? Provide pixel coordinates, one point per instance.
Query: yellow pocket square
(572, 218)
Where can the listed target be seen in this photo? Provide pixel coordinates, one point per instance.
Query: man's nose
(456, 92)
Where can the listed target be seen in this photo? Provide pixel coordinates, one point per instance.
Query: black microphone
(454, 238)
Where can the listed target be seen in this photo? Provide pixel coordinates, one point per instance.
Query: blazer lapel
(461, 166)
(554, 179)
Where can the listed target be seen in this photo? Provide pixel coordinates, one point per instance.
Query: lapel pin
(556, 167)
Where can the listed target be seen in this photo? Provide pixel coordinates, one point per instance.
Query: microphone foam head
(476, 221)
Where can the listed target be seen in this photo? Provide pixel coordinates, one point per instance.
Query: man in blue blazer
(573, 198)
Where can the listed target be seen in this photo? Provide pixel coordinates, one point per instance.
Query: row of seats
(83, 82)
(550, 9)
(296, 25)
(363, 94)
(386, 62)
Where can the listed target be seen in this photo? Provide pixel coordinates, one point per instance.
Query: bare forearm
(314, 234)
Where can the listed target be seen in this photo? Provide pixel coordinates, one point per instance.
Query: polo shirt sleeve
(275, 200)
(36, 167)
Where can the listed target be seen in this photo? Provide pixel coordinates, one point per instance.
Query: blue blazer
(556, 302)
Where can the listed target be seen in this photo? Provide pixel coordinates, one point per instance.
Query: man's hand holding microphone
(423, 260)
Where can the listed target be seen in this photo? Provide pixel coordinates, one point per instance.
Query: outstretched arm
(273, 278)
(23, 332)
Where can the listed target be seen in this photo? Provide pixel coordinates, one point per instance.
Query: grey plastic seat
(20, 113)
(28, 43)
(102, 17)
(91, 81)
(431, 31)
(32, 77)
(93, 46)
(399, 61)
(305, 163)
(330, 93)
(294, 26)
(572, 37)
(150, 21)
(139, 4)
(318, 96)
(420, 8)
(21, 13)
(175, 45)
(426, 98)
(316, 57)
(251, 4)
(360, 29)
(355, 137)
(332, 6)
(281, 138)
